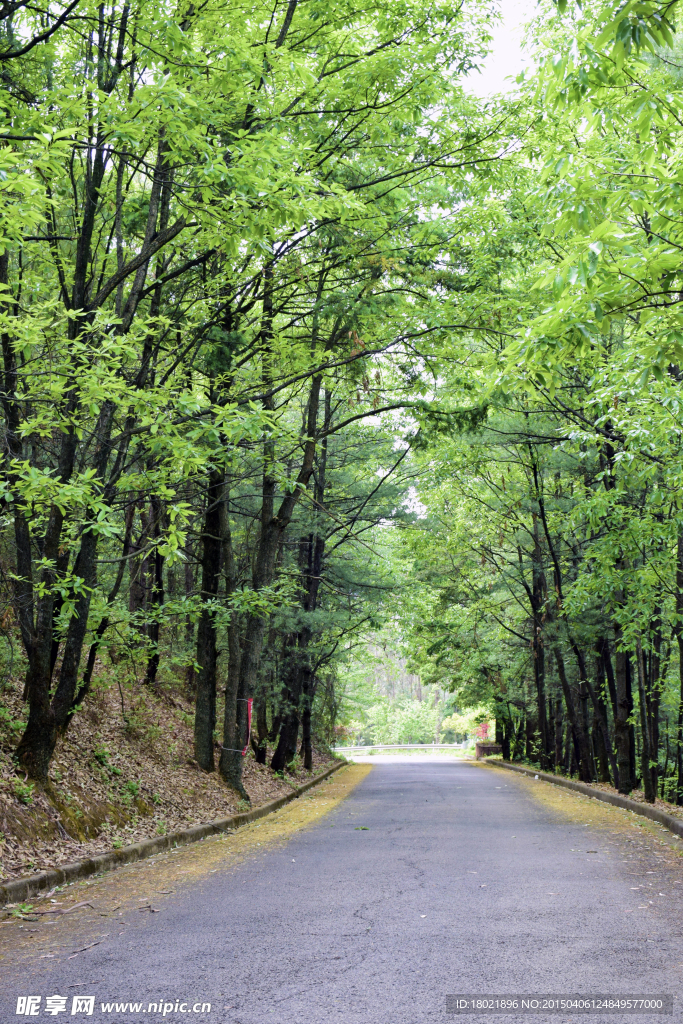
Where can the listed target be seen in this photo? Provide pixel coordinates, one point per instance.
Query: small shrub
(161, 828)
(15, 725)
(117, 844)
(23, 791)
(132, 787)
(101, 754)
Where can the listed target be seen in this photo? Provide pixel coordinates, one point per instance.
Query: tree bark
(583, 755)
(622, 733)
(273, 528)
(156, 596)
(600, 715)
(646, 740)
(205, 705)
(539, 600)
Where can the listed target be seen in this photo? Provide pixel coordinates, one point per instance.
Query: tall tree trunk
(631, 728)
(289, 728)
(190, 642)
(263, 693)
(260, 743)
(156, 595)
(205, 705)
(603, 652)
(138, 593)
(568, 750)
(646, 739)
(273, 528)
(530, 728)
(583, 755)
(653, 693)
(235, 725)
(558, 735)
(601, 759)
(539, 600)
(311, 551)
(622, 732)
(48, 717)
(507, 733)
(306, 738)
(600, 712)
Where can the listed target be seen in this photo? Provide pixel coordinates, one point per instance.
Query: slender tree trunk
(622, 733)
(646, 741)
(601, 759)
(583, 755)
(530, 733)
(600, 713)
(205, 705)
(539, 600)
(568, 749)
(190, 641)
(263, 692)
(306, 739)
(48, 717)
(606, 658)
(654, 693)
(507, 733)
(156, 596)
(139, 576)
(260, 744)
(558, 735)
(518, 739)
(289, 728)
(235, 725)
(631, 728)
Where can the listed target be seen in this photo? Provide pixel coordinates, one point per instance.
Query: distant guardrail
(398, 746)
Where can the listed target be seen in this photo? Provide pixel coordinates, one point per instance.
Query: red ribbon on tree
(246, 746)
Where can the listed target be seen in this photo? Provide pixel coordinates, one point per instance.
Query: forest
(309, 354)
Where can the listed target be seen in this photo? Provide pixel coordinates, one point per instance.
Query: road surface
(431, 878)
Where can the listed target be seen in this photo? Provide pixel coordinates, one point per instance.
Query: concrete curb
(674, 825)
(19, 890)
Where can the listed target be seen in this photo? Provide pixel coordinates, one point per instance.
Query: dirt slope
(124, 772)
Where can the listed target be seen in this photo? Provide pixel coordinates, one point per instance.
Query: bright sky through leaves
(506, 59)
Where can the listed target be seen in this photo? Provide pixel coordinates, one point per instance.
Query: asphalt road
(429, 879)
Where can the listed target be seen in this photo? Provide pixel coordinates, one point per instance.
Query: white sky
(506, 58)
